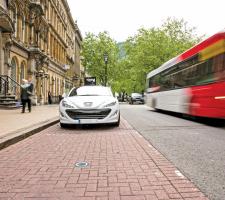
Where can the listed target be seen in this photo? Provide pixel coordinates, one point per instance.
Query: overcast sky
(122, 18)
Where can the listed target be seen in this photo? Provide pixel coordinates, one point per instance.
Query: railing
(8, 85)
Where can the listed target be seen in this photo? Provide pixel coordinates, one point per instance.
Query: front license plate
(87, 121)
(77, 121)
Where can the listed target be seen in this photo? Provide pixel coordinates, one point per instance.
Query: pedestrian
(49, 97)
(30, 92)
(24, 95)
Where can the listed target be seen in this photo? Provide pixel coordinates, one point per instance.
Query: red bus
(192, 83)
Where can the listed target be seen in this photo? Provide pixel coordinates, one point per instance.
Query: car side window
(73, 92)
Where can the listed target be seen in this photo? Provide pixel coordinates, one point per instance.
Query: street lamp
(106, 62)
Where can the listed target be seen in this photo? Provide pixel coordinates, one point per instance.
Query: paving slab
(15, 126)
(121, 165)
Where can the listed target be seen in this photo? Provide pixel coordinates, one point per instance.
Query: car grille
(88, 114)
(137, 99)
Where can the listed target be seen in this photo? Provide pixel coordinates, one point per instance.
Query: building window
(13, 75)
(14, 18)
(22, 72)
(23, 28)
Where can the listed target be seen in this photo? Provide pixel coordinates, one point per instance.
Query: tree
(145, 51)
(150, 48)
(94, 48)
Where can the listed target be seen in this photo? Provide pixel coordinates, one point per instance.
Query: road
(197, 149)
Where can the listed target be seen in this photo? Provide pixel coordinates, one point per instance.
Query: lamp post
(106, 62)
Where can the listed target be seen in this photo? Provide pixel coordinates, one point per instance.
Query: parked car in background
(89, 105)
(136, 98)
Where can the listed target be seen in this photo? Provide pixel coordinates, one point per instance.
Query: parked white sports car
(89, 105)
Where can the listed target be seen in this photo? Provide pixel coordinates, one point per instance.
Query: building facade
(40, 40)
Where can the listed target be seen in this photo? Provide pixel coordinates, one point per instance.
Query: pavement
(83, 163)
(15, 126)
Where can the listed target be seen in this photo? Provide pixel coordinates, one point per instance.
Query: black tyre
(117, 123)
(63, 125)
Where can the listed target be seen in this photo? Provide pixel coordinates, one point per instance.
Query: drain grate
(81, 164)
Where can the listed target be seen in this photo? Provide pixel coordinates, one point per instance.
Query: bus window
(209, 67)
(218, 63)
(206, 75)
(153, 84)
(219, 67)
(178, 80)
(149, 83)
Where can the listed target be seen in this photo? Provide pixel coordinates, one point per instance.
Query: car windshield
(91, 91)
(136, 95)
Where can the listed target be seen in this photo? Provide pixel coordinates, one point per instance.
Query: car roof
(92, 86)
(136, 93)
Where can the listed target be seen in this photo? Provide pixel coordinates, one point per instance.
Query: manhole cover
(81, 164)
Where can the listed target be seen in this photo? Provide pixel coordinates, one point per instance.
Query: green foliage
(150, 48)
(129, 62)
(94, 48)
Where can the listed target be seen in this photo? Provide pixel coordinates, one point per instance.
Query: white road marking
(178, 173)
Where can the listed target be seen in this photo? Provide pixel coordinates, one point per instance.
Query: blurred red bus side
(192, 83)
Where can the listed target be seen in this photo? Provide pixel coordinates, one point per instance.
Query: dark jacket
(30, 88)
(24, 92)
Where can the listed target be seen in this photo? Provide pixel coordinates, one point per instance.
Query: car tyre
(63, 125)
(117, 123)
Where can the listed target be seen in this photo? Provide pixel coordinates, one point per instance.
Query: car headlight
(66, 105)
(110, 104)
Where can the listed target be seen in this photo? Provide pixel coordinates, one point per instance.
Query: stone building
(40, 40)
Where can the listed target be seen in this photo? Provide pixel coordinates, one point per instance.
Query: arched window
(13, 75)
(13, 70)
(22, 71)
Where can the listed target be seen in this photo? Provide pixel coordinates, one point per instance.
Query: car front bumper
(75, 116)
(138, 100)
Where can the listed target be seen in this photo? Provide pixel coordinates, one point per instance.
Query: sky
(122, 18)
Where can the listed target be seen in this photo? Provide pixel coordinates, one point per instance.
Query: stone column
(1, 54)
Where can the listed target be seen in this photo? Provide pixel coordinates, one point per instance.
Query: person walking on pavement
(49, 97)
(30, 92)
(24, 95)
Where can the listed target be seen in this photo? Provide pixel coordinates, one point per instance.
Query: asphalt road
(197, 148)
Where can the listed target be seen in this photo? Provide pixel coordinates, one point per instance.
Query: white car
(89, 105)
